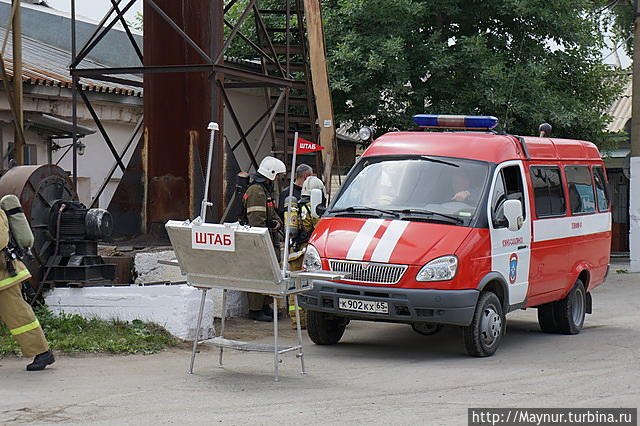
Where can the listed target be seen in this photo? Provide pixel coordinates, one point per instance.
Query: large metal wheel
(38, 188)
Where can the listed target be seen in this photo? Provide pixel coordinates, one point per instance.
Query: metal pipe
(224, 314)
(74, 97)
(299, 333)
(205, 203)
(276, 351)
(179, 30)
(195, 339)
(18, 147)
(287, 232)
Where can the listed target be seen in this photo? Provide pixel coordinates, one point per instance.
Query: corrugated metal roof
(46, 65)
(620, 110)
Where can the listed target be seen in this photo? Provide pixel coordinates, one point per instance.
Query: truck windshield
(416, 188)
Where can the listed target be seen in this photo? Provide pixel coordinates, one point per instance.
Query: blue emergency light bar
(472, 122)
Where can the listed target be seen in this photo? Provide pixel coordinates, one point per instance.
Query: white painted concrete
(174, 306)
(634, 215)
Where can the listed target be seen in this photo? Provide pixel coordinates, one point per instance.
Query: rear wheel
(325, 329)
(482, 337)
(565, 316)
(571, 310)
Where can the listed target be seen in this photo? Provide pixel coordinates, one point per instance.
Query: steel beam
(103, 131)
(236, 122)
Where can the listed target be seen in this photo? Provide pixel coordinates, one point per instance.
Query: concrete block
(174, 307)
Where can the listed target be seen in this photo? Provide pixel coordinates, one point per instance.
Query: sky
(95, 9)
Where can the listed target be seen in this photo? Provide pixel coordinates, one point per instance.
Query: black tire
(570, 311)
(483, 336)
(547, 318)
(325, 329)
(426, 329)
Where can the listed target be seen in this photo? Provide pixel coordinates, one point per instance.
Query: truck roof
(481, 146)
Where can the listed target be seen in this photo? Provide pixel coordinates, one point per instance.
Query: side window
(581, 197)
(547, 191)
(508, 187)
(497, 200)
(602, 194)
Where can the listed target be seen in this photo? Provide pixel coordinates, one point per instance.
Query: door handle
(522, 247)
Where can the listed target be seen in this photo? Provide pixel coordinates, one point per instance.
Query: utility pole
(18, 142)
(634, 185)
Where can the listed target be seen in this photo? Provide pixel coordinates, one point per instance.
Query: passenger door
(510, 250)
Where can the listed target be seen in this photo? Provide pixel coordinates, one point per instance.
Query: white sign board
(213, 237)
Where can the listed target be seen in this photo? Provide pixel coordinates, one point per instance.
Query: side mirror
(315, 201)
(513, 212)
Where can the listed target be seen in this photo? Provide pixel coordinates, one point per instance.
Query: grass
(72, 333)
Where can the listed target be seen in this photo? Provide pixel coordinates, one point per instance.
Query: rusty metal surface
(38, 187)
(177, 106)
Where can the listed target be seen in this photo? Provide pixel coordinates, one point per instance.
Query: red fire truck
(460, 228)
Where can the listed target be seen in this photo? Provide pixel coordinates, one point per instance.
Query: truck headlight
(311, 261)
(441, 269)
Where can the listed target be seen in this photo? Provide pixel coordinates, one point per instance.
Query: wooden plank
(320, 82)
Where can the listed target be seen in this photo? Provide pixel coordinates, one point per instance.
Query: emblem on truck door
(513, 268)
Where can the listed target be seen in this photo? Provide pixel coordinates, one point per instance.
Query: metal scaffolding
(277, 64)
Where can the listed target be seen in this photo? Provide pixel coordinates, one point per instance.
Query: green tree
(524, 61)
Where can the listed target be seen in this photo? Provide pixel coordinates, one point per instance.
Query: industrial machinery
(66, 232)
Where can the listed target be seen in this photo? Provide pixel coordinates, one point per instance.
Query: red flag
(304, 146)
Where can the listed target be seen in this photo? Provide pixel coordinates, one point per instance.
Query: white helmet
(270, 167)
(312, 182)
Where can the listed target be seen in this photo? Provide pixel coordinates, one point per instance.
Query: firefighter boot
(41, 361)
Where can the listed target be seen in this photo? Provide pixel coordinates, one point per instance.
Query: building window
(30, 154)
(547, 191)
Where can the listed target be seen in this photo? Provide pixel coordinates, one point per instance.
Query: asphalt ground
(379, 373)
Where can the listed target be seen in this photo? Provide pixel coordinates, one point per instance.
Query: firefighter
(306, 224)
(303, 171)
(17, 314)
(259, 210)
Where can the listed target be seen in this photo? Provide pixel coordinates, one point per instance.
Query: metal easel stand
(300, 285)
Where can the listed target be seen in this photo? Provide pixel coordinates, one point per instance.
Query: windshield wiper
(434, 160)
(359, 208)
(430, 213)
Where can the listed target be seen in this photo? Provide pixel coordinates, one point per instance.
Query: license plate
(364, 306)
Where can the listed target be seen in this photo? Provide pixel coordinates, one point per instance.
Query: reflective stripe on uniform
(25, 328)
(11, 280)
(256, 209)
(293, 308)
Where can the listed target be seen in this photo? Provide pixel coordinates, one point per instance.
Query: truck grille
(369, 272)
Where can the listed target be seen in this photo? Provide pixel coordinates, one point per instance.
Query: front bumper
(405, 305)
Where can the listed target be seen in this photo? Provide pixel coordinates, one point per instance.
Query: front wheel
(482, 337)
(426, 329)
(325, 329)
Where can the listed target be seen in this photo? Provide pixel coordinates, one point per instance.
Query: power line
(618, 47)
